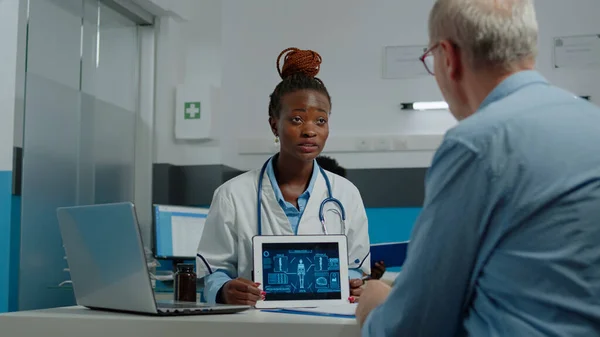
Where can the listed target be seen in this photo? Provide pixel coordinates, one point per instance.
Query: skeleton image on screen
(301, 273)
(297, 271)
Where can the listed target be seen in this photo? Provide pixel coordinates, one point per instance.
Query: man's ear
(273, 123)
(452, 59)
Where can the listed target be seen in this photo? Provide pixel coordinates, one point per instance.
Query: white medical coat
(226, 242)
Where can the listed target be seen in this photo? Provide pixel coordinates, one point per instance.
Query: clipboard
(393, 254)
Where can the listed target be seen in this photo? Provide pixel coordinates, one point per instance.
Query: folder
(392, 254)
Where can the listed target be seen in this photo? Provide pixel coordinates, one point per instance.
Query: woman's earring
(276, 139)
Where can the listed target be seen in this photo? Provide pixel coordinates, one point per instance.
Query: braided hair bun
(297, 73)
(296, 61)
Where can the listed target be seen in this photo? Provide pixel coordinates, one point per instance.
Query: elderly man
(508, 242)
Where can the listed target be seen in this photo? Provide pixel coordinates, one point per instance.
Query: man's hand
(373, 295)
(242, 291)
(356, 289)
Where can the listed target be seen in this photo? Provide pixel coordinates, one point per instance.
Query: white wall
(9, 52)
(188, 53)
(350, 36)
(568, 18)
(20, 80)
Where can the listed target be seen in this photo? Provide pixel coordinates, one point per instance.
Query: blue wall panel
(5, 237)
(15, 240)
(391, 224)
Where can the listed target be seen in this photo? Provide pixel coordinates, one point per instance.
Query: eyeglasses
(427, 58)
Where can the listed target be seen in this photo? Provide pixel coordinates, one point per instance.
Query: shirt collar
(511, 84)
(277, 190)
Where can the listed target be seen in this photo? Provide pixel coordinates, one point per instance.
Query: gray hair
(498, 33)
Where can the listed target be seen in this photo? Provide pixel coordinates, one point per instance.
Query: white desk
(78, 321)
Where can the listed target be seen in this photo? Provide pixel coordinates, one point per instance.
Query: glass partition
(81, 97)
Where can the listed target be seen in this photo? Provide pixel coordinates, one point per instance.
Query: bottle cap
(185, 267)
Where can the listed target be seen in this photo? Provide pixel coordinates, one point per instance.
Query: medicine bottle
(185, 283)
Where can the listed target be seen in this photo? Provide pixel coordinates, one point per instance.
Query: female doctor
(287, 191)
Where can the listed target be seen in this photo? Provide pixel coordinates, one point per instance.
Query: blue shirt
(508, 241)
(214, 282)
(293, 214)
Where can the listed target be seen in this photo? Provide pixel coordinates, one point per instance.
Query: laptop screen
(301, 271)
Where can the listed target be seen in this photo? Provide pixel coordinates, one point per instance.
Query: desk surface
(78, 321)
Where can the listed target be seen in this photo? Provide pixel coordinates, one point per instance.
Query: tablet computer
(301, 270)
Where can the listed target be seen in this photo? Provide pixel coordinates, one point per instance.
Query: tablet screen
(301, 271)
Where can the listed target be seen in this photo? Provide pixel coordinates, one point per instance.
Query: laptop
(108, 266)
(301, 271)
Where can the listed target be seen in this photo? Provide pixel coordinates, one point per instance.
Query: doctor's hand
(241, 291)
(373, 295)
(356, 289)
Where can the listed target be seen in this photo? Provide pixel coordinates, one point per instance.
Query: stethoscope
(329, 198)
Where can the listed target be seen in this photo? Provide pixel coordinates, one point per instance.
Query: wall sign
(400, 62)
(577, 51)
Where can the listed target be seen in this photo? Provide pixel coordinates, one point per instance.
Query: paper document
(335, 311)
(338, 309)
